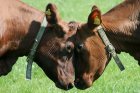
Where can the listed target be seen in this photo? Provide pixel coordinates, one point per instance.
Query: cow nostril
(91, 77)
(68, 47)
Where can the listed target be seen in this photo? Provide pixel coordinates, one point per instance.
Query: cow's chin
(62, 82)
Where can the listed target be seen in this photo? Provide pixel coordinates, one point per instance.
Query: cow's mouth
(64, 87)
(80, 84)
(84, 82)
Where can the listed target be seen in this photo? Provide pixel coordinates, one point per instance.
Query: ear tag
(97, 21)
(48, 12)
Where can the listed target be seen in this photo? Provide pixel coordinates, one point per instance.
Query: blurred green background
(112, 80)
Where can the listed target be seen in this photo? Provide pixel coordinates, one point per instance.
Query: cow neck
(121, 24)
(32, 21)
(36, 25)
(123, 40)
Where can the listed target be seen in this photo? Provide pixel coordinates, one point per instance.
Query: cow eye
(69, 47)
(80, 47)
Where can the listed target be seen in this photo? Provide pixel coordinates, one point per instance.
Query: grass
(112, 80)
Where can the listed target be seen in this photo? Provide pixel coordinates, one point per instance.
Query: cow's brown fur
(19, 25)
(122, 26)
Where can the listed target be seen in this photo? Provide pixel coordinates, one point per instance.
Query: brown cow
(19, 25)
(122, 26)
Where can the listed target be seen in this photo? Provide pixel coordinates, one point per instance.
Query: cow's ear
(52, 14)
(94, 18)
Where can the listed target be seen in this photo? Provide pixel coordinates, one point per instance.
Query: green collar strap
(34, 47)
(109, 47)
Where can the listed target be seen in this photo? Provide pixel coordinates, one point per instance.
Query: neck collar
(109, 47)
(34, 47)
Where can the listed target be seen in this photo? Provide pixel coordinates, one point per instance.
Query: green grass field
(112, 80)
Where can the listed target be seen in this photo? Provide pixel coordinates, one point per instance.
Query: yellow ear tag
(48, 12)
(97, 21)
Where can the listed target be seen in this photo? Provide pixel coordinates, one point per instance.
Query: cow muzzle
(65, 79)
(84, 82)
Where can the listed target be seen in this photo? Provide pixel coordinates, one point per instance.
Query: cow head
(90, 54)
(55, 51)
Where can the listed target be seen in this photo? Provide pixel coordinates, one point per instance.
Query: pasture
(112, 80)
